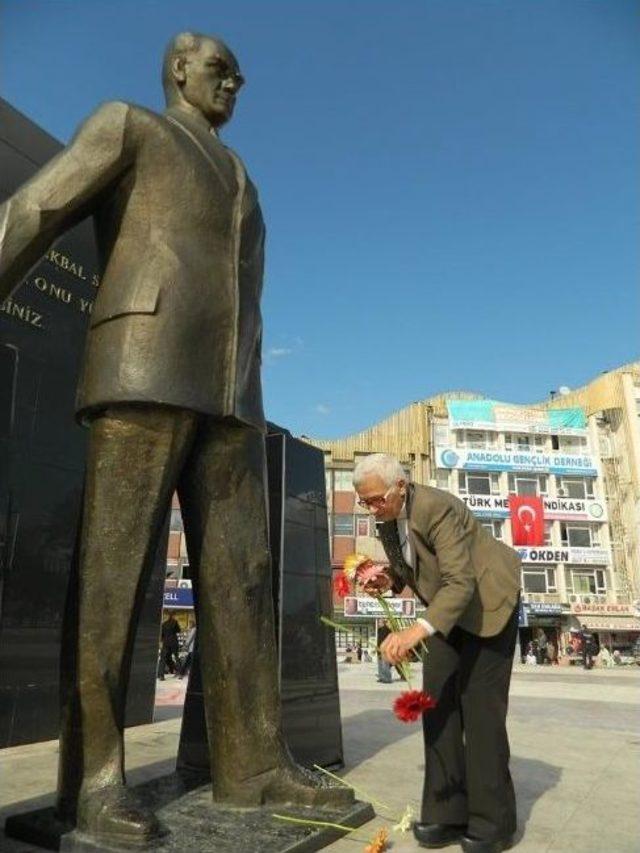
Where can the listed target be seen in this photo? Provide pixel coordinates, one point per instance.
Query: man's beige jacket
(464, 575)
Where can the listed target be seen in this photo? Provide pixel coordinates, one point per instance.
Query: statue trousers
(137, 458)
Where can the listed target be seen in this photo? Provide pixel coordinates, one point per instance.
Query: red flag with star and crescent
(527, 519)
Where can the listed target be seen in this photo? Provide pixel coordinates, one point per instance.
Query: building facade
(579, 453)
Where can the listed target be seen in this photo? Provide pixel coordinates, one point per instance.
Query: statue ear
(178, 69)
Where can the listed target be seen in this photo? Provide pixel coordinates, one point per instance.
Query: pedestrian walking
(170, 645)
(189, 643)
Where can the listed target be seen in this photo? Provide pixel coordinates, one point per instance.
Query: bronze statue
(171, 393)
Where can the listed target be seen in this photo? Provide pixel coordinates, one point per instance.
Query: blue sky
(450, 186)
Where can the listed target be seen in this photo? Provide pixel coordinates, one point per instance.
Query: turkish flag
(527, 520)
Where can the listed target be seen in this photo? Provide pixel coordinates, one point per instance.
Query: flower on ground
(341, 585)
(412, 704)
(406, 821)
(379, 843)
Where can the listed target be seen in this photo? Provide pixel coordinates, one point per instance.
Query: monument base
(195, 824)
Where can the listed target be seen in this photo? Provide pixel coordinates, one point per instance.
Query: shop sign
(536, 608)
(501, 417)
(178, 597)
(562, 509)
(578, 556)
(506, 460)
(371, 607)
(618, 609)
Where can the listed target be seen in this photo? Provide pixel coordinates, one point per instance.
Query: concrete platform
(575, 739)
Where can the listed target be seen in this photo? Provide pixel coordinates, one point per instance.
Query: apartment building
(579, 452)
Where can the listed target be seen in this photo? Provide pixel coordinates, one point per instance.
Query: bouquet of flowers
(360, 572)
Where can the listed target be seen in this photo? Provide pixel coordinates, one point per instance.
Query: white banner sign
(607, 609)
(371, 607)
(579, 556)
(507, 460)
(563, 509)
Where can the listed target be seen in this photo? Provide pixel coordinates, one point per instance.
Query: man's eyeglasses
(375, 503)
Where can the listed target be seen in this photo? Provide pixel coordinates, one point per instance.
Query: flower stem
(349, 785)
(323, 823)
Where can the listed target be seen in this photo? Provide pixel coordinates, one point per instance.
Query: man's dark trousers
(467, 778)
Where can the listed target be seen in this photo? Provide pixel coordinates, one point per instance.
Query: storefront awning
(610, 623)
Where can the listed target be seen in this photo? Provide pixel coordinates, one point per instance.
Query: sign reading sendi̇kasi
(506, 460)
(502, 417)
(562, 509)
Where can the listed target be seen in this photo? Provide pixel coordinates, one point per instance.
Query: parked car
(636, 651)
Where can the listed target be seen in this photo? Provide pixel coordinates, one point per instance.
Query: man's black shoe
(435, 835)
(470, 844)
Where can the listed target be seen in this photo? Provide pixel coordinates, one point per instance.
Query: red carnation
(410, 705)
(341, 585)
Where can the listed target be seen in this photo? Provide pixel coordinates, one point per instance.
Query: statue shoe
(286, 784)
(116, 815)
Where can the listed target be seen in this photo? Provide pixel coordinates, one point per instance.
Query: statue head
(199, 73)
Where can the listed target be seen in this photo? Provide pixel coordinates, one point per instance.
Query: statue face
(210, 80)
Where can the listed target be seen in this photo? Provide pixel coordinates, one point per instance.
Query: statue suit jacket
(180, 242)
(464, 575)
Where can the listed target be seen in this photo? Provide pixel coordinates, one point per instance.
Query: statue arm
(63, 192)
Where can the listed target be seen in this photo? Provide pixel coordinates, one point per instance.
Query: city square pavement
(575, 740)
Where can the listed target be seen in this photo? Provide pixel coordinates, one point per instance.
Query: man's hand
(397, 646)
(378, 585)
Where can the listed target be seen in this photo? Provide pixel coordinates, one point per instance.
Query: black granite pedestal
(196, 825)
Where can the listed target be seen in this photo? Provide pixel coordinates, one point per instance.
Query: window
(442, 478)
(476, 439)
(548, 528)
(573, 443)
(588, 581)
(532, 484)
(540, 443)
(363, 526)
(342, 480)
(441, 435)
(343, 524)
(493, 527)
(539, 580)
(524, 442)
(534, 581)
(575, 535)
(478, 484)
(176, 520)
(574, 487)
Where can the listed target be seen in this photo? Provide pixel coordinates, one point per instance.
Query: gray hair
(382, 465)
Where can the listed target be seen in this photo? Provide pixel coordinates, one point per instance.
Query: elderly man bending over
(470, 583)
